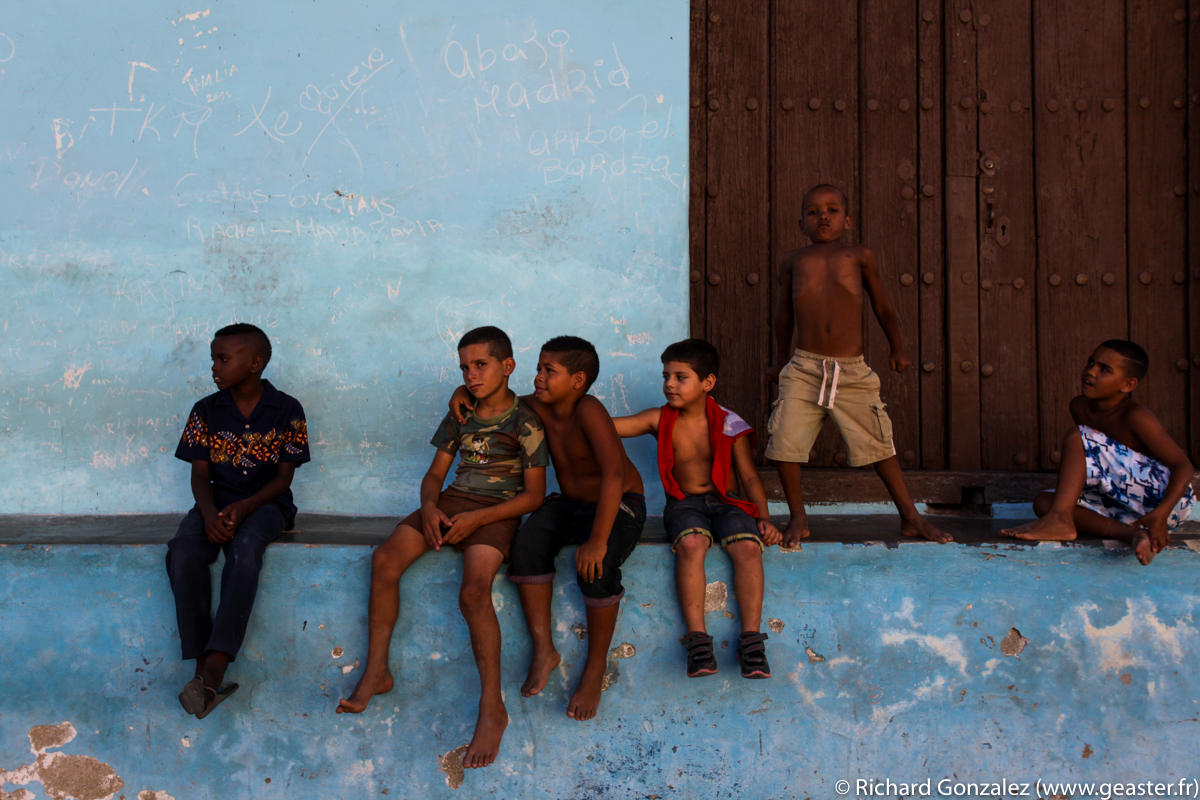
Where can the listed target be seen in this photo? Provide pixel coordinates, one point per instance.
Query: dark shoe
(701, 660)
(752, 655)
(192, 697)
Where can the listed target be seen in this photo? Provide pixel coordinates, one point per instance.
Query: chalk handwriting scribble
(72, 376)
(454, 318)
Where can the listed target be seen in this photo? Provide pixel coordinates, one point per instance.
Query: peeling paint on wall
(716, 594)
(61, 775)
(452, 764)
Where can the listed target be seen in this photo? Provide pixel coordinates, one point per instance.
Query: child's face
(554, 382)
(1105, 375)
(825, 217)
(234, 360)
(682, 386)
(483, 373)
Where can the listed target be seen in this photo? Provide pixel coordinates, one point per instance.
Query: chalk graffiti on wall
(365, 203)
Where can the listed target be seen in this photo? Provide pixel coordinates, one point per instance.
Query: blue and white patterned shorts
(1125, 485)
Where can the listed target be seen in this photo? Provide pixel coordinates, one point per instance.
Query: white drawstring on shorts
(833, 382)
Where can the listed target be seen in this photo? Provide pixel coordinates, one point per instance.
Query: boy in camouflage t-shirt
(501, 476)
(493, 454)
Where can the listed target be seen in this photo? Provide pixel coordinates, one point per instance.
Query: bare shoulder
(589, 408)
(1140, 419)
(864, 254)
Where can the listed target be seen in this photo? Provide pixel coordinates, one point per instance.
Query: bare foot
(1142, 548)
(368, 686)
(1050, 528)
(586, 700)
(540, 668)
(797, 529)
(489, 730)
(920, 528)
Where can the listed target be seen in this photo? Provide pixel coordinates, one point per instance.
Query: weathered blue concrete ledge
(973, 663)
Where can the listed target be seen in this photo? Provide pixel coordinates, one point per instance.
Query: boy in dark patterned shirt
(244, 443)
(501, 476)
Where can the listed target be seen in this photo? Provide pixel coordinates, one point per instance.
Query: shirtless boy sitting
(1121, 475)
(820, 314)
(704, 454)
(601, 507)
(501, 475)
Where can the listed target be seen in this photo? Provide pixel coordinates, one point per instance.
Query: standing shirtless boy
(501, 475)
(704, 454)
(820, 315)
(601, 507)
(1121, 477)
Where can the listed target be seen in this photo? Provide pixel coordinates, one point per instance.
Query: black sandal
(752, 655)
(700, 661)
(192, 697)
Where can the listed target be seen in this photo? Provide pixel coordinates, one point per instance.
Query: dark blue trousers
(189, 556)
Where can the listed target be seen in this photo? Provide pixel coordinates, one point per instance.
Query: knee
(744, 549)
(385, 564)
(245, 554)
(473, 597)
(1042, 503)
(694, 545)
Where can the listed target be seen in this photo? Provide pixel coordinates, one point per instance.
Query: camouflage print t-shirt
(494, 452)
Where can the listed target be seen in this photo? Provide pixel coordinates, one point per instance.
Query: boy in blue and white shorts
(1121, 477)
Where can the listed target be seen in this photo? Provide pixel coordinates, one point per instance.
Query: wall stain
(775, 625)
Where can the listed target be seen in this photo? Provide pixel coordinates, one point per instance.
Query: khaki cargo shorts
(812, 387)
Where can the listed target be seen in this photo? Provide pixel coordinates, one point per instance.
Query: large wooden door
(1021, 167)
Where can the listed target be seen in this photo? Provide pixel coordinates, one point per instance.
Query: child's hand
(769, 533)
(589, 560)
(214, 528)
(1156, 525)
(461, 404)
(773, 372)
(432, 520)
(461, 526)
(232, 516)
(899, 360)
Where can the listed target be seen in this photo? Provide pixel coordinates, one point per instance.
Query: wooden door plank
(1193, 153)
(888, 220)
(962, 253)
(1080, 157)
(812, 146)
(1007, 242)
(737, 305)
(932, 351)
(962, 323)
(697, 172)
(1156, 69)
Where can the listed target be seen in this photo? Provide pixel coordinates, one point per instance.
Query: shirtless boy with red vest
(704, 456)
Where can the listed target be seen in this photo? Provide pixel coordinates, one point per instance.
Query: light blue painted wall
(365, 181)
(913, 685)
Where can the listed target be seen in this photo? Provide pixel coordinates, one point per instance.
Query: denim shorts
(709, 515)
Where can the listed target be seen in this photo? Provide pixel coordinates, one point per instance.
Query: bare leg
(1057, 523)
(535, 601)
(481, 563)
(689, 579)
(748, 582)
(388, 563)
(789, 478)
(911, 523)
(601, 623)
